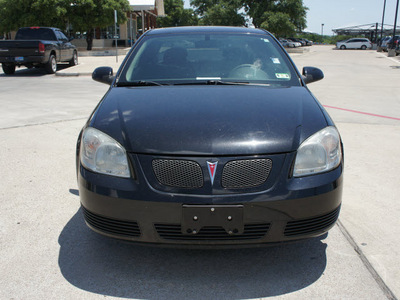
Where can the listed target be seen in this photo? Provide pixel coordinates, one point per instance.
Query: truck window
(35, 34)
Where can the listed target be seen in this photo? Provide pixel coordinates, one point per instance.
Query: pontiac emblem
(212, 167)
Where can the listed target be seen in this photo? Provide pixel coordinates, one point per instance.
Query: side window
(61, 36)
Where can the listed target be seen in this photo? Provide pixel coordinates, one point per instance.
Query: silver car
(354, 43)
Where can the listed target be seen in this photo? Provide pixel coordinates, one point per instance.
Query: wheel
(51, 66)
(343, 47)
(8, 69)
(248, 71)
(363, 47)
(74, 59)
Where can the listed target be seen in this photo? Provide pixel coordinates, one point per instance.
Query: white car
(354, 43)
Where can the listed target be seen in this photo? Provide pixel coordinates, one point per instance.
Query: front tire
(8, 69)
(343, 47)
(363, 47)
(51, 66)
(74, 59)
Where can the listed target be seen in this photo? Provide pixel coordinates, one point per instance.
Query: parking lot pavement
(361, 92)
(87, 64)
(46, 251)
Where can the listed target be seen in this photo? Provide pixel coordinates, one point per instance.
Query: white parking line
(389, 58)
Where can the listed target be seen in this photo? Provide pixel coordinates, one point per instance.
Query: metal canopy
(366, 29)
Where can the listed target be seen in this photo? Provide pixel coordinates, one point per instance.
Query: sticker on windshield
(275, 60)
(266, 40)
(282, 75)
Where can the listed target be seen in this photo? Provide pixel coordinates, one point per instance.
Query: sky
(344, 13)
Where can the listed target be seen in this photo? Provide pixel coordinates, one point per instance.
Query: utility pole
(116, 36)
(383, 18)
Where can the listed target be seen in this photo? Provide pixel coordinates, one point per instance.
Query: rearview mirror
(311, 74)
(103, 75)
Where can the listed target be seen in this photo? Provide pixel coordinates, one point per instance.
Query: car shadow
(32, 72)
(116, 268)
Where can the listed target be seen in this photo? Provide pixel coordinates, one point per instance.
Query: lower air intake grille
(308, 226)
(246, 173)
(173, 232)
(111, 226)
(178, 173)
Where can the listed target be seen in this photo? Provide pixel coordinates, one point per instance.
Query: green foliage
(221, 15)
(338, 38)
(21, 13)
(176, 15)
(83, 15)
(87, 14)
(268, 13)
(278, 23)
(219, 12)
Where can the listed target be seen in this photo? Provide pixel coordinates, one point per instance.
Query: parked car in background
(209, 136)
(397, 49)
(392, 45)
(41, 47)
(384, 42)
(289, 44)
(308, 43)
(355, 43)
(297, 40)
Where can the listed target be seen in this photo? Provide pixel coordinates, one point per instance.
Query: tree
(219, 12)
(85, 15)
(278, 23)
(22, 13)
(268, 13)
(176, 15)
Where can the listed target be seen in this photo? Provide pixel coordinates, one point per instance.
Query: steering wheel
(248, 71)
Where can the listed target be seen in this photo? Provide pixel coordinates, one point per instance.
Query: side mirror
(103, 75)
(311, 74)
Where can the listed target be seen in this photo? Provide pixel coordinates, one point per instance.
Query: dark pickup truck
(37, 47)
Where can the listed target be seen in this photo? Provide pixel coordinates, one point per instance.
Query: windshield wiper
(140, 83)
(221, 82)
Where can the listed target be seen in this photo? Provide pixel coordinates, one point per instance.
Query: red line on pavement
(364, 113)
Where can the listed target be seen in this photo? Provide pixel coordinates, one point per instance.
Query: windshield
(199, 58)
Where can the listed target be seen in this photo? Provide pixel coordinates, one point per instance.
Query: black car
(209, 136)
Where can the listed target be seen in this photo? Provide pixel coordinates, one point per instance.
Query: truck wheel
(51, 65)
(8, 69)
(74, 59)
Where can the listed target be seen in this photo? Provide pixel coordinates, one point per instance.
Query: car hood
(209, 120)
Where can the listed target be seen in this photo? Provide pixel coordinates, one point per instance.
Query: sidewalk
(87, 64)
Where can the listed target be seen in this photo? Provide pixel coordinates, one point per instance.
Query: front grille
(214, 233)
(111, 226)
(178, 173)
(246, 173)
(312, 225)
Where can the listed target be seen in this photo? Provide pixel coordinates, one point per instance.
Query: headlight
(321, 152)
(102, 154)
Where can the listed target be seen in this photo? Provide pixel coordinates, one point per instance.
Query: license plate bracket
(195, 217)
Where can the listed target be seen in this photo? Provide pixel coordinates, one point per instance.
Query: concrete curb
(73, 74)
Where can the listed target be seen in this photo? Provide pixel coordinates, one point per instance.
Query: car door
(65, 46)
(351, 44)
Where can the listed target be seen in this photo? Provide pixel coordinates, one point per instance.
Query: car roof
(39, 27)
(205, 29)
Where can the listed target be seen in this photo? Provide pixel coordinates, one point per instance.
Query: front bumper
(287, 209)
